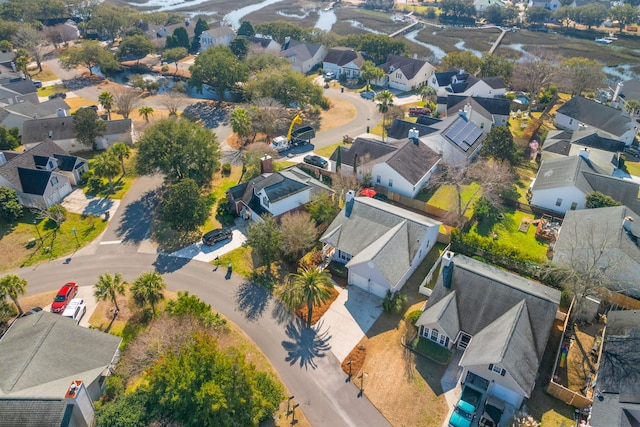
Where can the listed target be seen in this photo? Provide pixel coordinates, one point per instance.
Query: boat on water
(331, 5)
(604, 40)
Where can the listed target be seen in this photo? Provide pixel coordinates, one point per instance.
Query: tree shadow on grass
(252, 300)
(168, 264)
(306, 345)
(431, 372)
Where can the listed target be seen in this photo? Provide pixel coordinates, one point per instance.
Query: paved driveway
(80, 203)
(349, 318)
(201, 252)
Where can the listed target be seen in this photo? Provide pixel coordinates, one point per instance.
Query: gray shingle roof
(44, 109)
(62, 128)
(444, 313)
(22, 87)
(596, 115)
(563, 172)
(409, 66)
(35, 412)
(500, 106)
(302, 51)
(509, 342)
(484, 294)
(42, 353)
(379, 229)
(400, 129)
(341, 56)
(9, 170)
(631, 90)
(601, 228)
(617, 394)
(411, 161)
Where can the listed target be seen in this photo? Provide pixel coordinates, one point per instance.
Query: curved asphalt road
(300, 355)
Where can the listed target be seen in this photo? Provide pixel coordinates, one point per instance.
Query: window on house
(559, 202)
(398, 76)
(497, 369)
(482, 125)
(425, 332)
(265, 201)
(574, 205)
(378, 179)
(434, 335)
(54, 181)
(390, 183)
(444, 340)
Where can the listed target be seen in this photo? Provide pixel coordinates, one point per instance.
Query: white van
(75, 309)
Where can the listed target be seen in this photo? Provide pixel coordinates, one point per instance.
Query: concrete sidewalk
(349, 318)
(201, 252)
(78, 202)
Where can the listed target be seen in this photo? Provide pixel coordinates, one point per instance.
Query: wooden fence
(568, 396)
(619, 300)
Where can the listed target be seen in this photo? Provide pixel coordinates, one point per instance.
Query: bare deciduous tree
(125, 100)
(56, 213)
(342, 183)
(493, 178)
(538, 69)
(173, 102)
(267, 116)
(298, 233)
(33, 41)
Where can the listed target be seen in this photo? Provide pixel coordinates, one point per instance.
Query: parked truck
(300, 136)
(465, 409)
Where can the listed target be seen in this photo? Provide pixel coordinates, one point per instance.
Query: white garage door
(506, 394)
(367, 285)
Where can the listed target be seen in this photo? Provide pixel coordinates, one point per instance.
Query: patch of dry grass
(340, 113)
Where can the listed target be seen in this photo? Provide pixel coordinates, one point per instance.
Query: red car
(65, 294)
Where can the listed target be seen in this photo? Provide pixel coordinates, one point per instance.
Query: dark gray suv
(217, 235)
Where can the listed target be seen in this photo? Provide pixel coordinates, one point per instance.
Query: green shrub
(10, 207)
(393, 302)
(95, 184)
(414, 316)
(226, 169)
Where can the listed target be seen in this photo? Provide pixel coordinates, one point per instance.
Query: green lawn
(431, 350)
(26, 244)
(445, 197)
(48, 90)
(632, 165)
(328, 151)
(240, 259)
(506, 231)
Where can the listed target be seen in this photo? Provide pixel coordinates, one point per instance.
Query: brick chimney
(266, 164)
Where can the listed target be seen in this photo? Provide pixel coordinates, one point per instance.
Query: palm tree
(147, 289)
(106, 165)
(427, 93)
(385, 101)
(309, 286)
(121, 151)
(241, 122)
(106, 100)
(13, 285)
(109, 287)
(145, 111)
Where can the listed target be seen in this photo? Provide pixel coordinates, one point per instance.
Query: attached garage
(507, 395)
(368, 285)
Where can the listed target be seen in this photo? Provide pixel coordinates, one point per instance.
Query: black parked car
(314, 160)
(217, 235)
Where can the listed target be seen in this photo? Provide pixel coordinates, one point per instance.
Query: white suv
(75, 309)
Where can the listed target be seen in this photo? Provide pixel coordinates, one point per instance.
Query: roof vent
(414, 134)
(350, 201)
(627, 223)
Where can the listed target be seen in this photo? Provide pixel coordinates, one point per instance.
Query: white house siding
(517, 394)
(565, 122)
(546, 199)
(31, 200)
(54, 194)
(206, 41)
(287, 204)
(426, 331)
(368, 279)
(397, 79)
(400, 185)
(481, 121)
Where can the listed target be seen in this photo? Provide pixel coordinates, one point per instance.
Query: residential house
(381, 244)
(604, 237)
(482, 5)
(602, 151)
(303, 56)
(580, 113)
(500, 321)
(483, 112)
(42, 175)
(8, 71)
(16, 114)
(15, 92)
(263, 45)
(459, 82)
(630, 90)
(216, 36)
(424, 125)
(343, 61)
(404, 73)
(274, 193)
(51, 371)
(404, 167)
(617, 387)
(563, 184)
(552, 5)
(158, 33)
(60, 130)
(457, 140)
